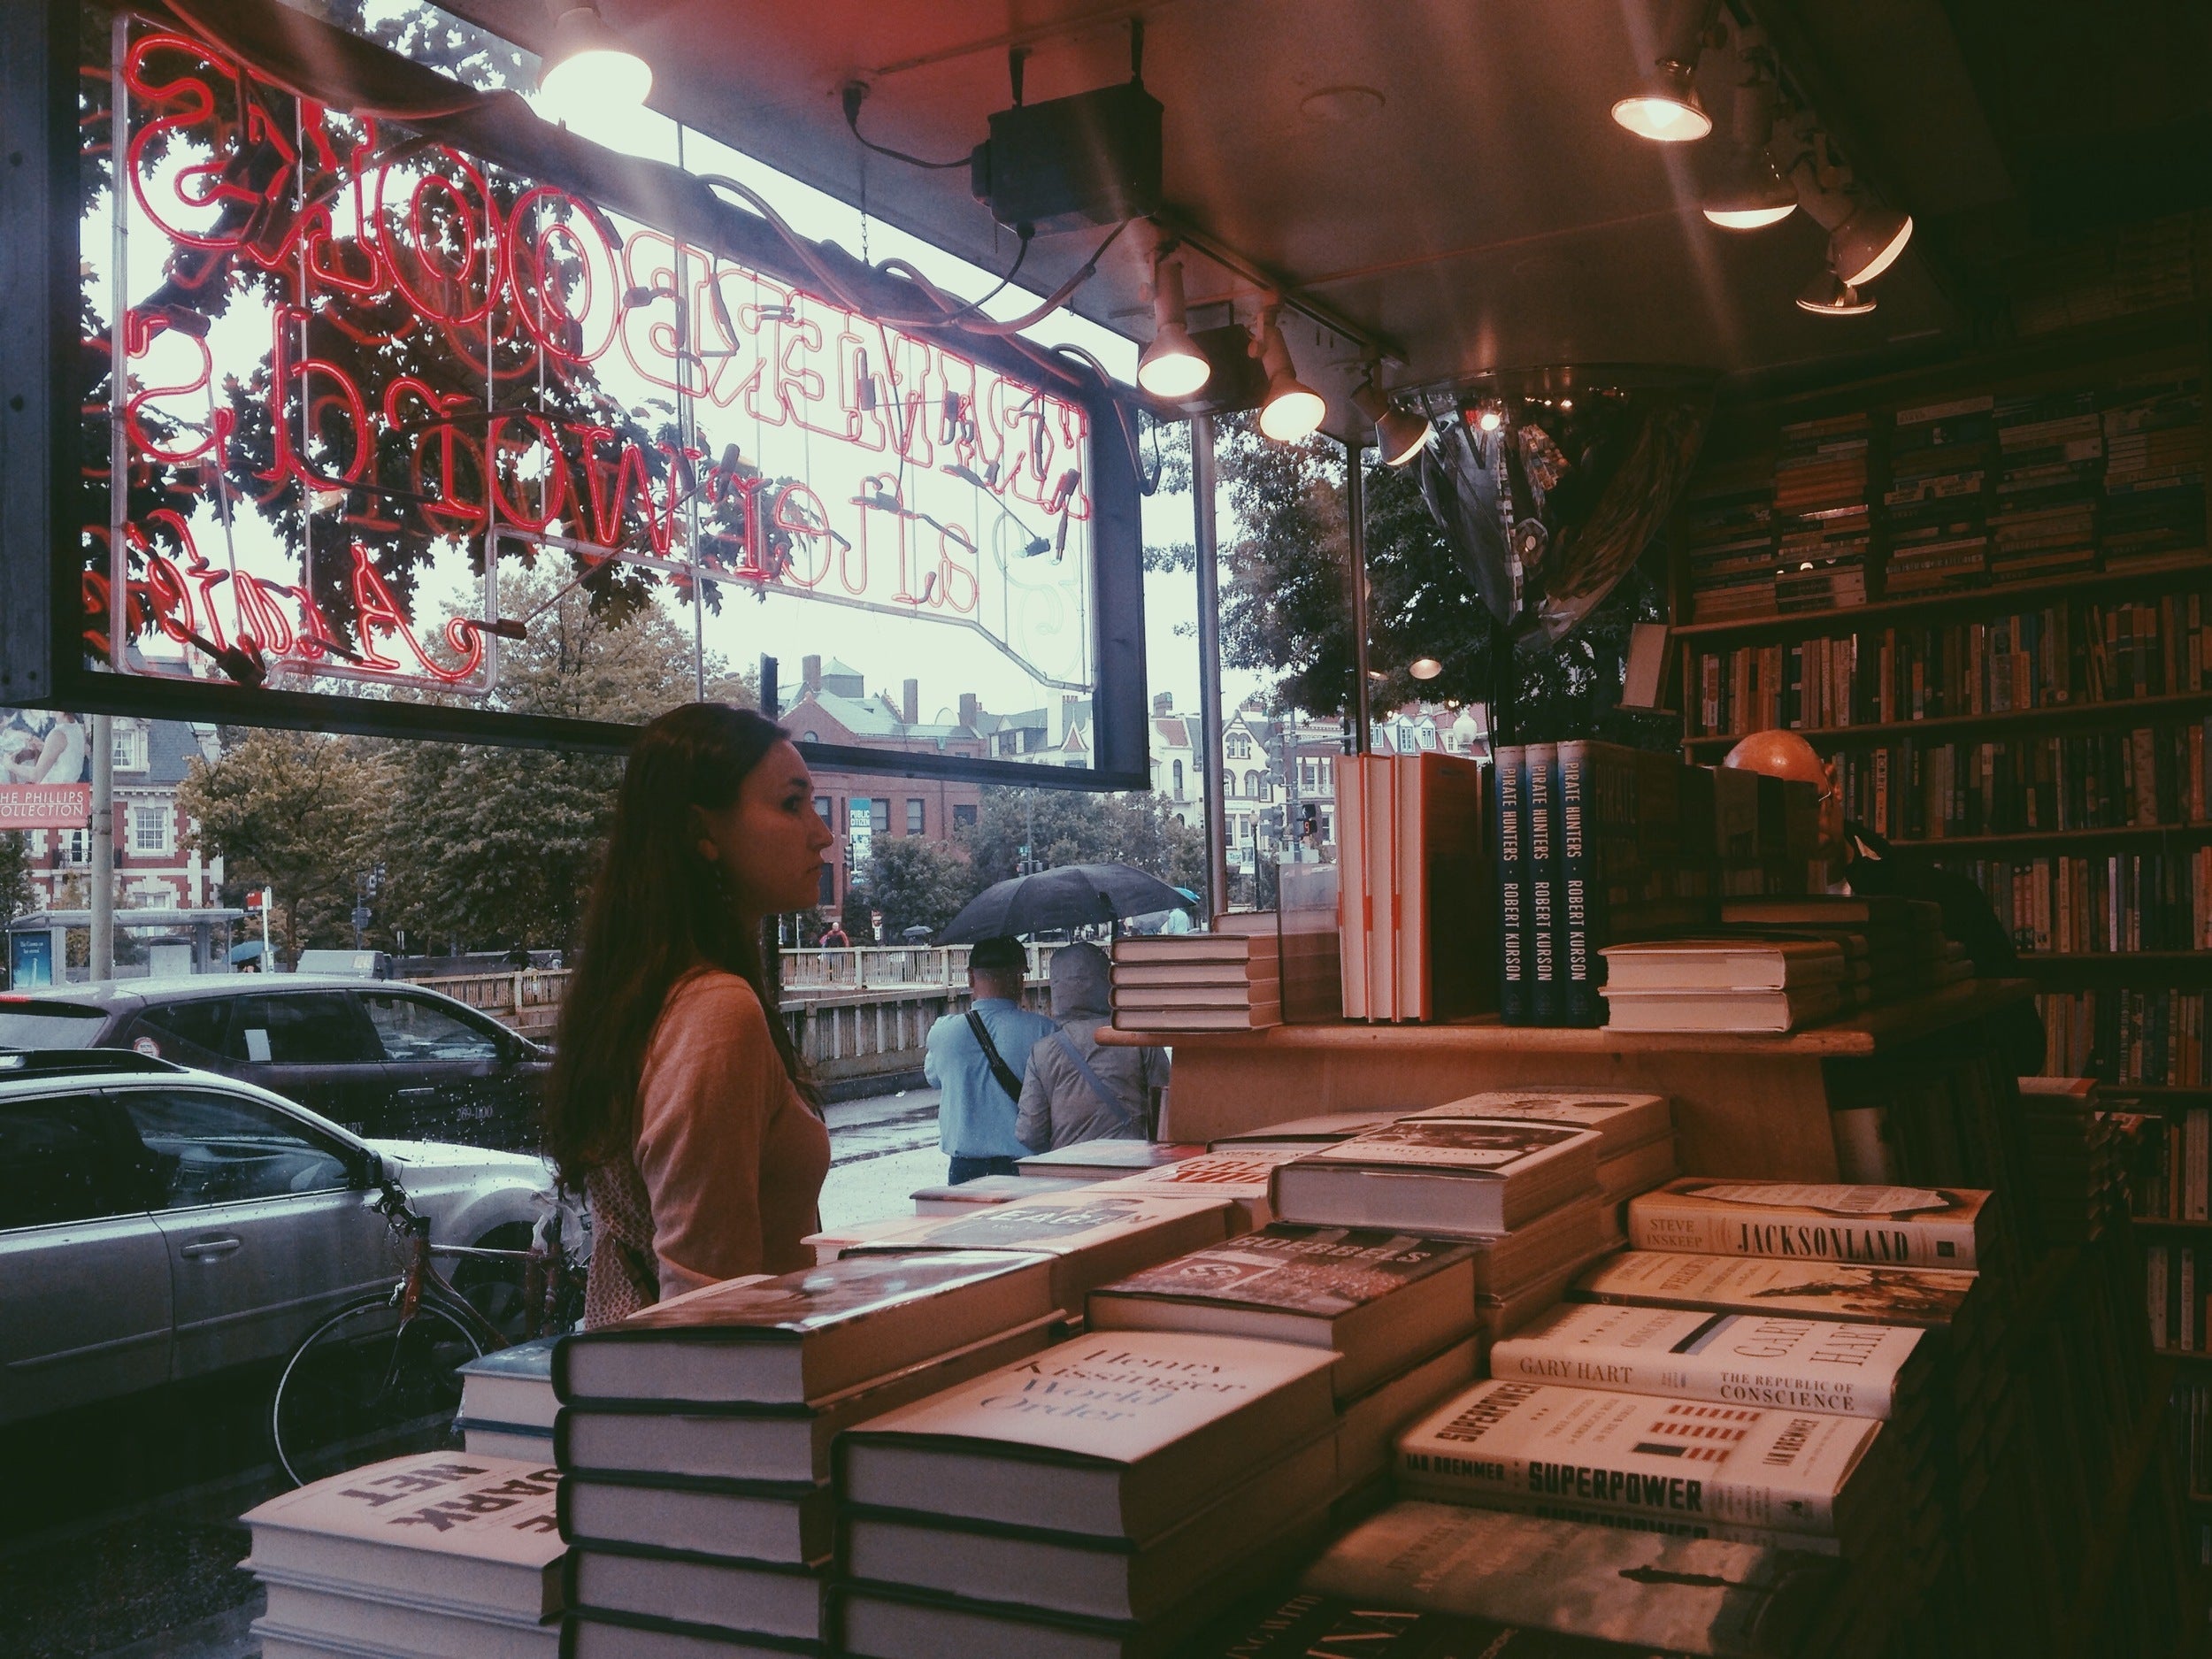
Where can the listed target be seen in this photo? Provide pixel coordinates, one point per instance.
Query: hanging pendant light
(1828, 295)
(1291, 410)
(1864, 237)
(1743, 191)
(588, 68)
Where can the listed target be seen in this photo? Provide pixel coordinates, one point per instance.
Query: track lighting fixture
(587, 67)
(1665, 109)
(1398, 434)
(1291, 410)
(1828, 295)
(1743, 191)
(1172, 366)
(1864, 238)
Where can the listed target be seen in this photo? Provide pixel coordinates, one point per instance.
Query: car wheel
(494, 1289)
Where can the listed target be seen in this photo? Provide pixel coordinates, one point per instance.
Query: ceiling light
(1491, 418)
(1828, 295)
(1172, 366)
(587, 68)
(1665, 110)
(1864, 238)
(1399, 436)
(1743, 191)
(1426, 668)
(1291, 410)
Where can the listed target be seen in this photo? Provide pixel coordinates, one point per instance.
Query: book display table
(1752, 1106)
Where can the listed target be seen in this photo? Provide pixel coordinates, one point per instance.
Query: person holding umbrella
(978, 1059)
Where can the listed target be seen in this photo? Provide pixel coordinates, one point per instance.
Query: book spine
(1511, 769)
(1654, 1225)
(1723, 1379)
(1544, 921)
(1677, 1493)
(1579, 961)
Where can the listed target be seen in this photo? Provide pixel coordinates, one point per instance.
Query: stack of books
(2153, 510)
(1744, 984)
(1241, 1175)
(447, 1555)
(1105, 1497)
(1525, 1190)
(1635, 1136)
(1728, 526)
(1109, 1160)
(1092, 1233)
(1820, 508)
(507, 1402)
(1413, 930)
(2050, 454)
(2076, 1174)
(1217, 981)
(1303, 1134)
(1893, 948)
(1941, 463)
(695, 1437)
(1599, 844)
(1398, 1312)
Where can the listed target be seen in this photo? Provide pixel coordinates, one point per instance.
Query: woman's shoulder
(716, 992)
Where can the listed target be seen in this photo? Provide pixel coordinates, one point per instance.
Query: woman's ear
(699, 827)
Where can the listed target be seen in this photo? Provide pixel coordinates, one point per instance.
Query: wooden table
(1753, 1106)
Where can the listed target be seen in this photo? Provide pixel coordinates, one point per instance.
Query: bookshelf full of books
(2022, 693)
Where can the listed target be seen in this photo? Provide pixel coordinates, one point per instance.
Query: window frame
(461, 1015)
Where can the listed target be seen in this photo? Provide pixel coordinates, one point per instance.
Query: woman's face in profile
(770, 839)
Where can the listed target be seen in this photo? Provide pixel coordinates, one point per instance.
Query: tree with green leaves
(1065, 827)
(17, 893)
(917, 883)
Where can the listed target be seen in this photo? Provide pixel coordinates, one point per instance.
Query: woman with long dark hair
(675, 1100)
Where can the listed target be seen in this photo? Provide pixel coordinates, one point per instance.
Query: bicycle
(381, 1377)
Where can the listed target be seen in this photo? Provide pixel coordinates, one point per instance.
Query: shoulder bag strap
(1000, 1069)
(1105, 1096)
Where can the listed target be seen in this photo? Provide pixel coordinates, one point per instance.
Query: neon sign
(375, 374)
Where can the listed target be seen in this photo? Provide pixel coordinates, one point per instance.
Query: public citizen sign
(376, 388)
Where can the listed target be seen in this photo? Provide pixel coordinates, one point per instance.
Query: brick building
(156, 866)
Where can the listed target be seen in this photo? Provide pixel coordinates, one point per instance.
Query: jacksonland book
(474, 1534)
(1658, 1593)
(1731, 1358)
(1093, 1234)
(1901, 1226)
(1922, 1296)
(1456, 1176)
(1622, 1121)
(1378, 1300)
(1739, 1465)
(1120, 1435)
(795, 1337)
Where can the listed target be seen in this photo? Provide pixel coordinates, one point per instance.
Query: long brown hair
(657, 910)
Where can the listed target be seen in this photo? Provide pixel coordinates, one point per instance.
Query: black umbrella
(1070, 896)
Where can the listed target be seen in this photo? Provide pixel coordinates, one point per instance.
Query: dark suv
(396, 1061)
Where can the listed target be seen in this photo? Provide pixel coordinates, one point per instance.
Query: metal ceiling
(1444, 172)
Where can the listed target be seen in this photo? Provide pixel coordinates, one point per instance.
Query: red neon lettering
(374, 608)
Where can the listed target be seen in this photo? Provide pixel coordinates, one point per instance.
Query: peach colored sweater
(728, 1161)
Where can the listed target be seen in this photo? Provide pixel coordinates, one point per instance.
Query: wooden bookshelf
(2108, 1536)
(1942, 727)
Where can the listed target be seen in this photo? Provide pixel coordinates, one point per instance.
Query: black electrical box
(1090, 160)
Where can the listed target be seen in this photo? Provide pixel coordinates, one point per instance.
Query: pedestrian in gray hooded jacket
(1075, 1090)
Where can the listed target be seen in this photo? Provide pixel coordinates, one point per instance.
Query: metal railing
(527, 1000)
(814, 971)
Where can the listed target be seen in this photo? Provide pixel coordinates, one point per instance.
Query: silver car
(159, 1223)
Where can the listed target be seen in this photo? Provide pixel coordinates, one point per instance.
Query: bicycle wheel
(364, 1386)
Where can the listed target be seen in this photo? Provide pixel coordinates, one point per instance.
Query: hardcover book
(1920, 1296)
(738, 1597)
(1735, 1359)
(1118, 1435)
(513, 1387)
(1177, 950)
(1303, 1134)
(468, 1532)
(1901, 1226)
(788, 1526)
(1787, 1470)
(1246, 1015)
(311, 1614)
(1756, 1011)
(1239, 1175)
(1375, 1299)
(1723, 964)
(1565, 1235)
(788, 1444)
(1092, 1234)
(1620, 1120)
(1460, 1176)
(964, 1197)
(1105, 1160)
(1508, 816)
(1369, 1424)
(597, 1633)
(1688, 1595)
(1306, 1626)
(802, 1336)
(1174, 998)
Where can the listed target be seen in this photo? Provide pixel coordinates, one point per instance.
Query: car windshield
(25, 1024)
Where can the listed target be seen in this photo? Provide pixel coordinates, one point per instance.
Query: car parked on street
(380, 1058)
(159, 1224)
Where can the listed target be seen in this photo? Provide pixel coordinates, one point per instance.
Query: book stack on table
(1104, 1498)
(508, 1404)
(694, 1438)
(1635, 1137)
(439, 1555)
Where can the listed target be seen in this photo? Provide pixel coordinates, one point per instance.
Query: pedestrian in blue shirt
(978, 1059)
